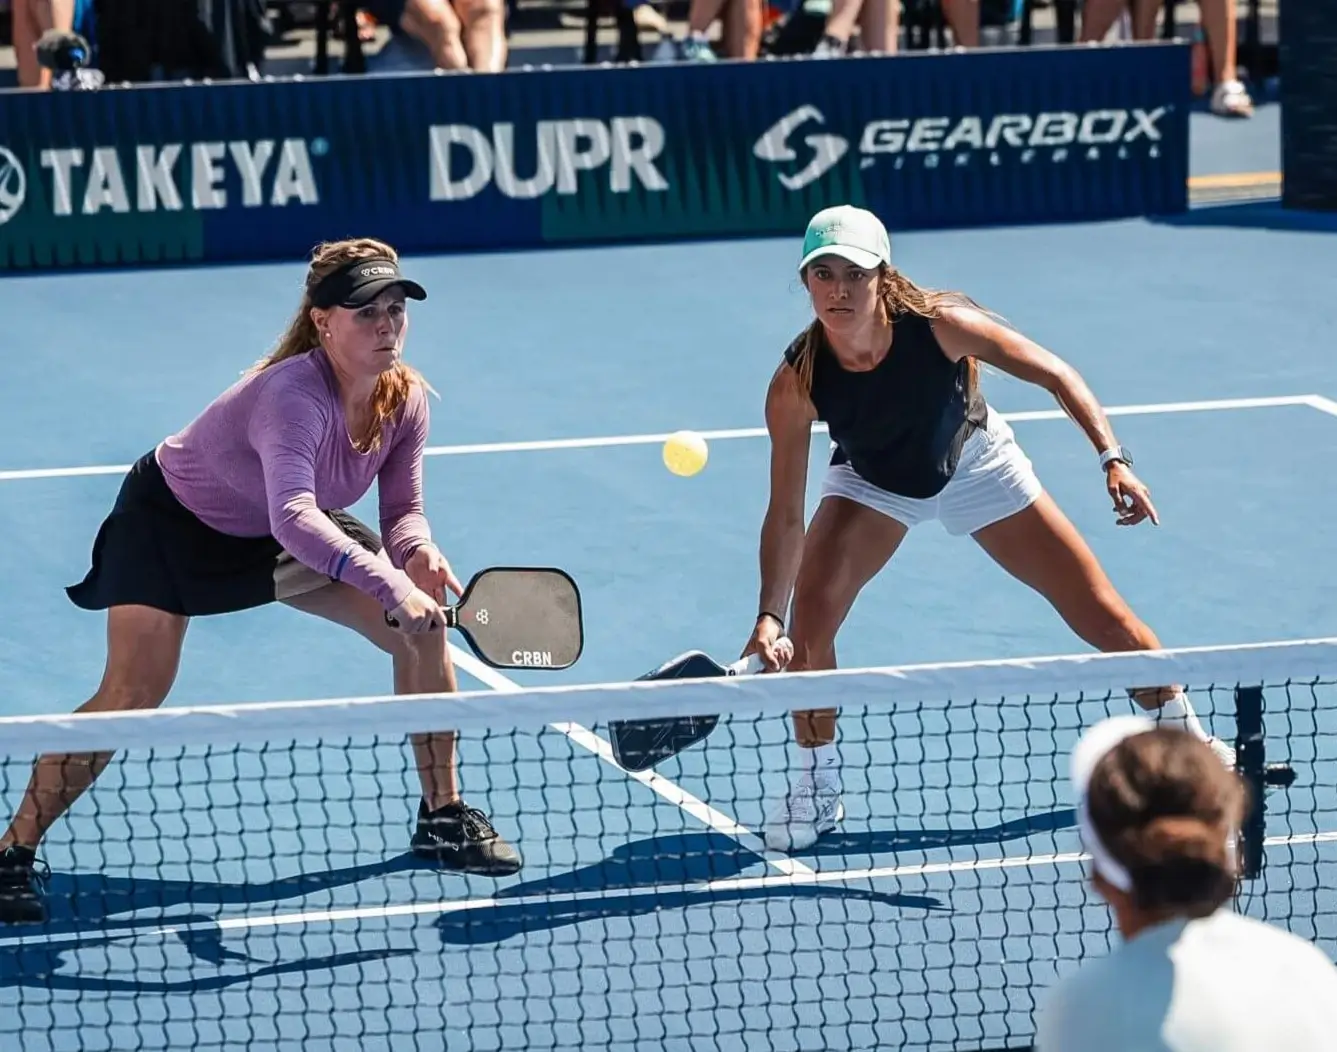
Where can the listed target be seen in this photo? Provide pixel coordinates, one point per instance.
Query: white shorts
(994, 479)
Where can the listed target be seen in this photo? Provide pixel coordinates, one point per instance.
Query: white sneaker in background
(809, 811)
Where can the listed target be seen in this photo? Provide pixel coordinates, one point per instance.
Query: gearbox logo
(824, 150)
(1052, 137)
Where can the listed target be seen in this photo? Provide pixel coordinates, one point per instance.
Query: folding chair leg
(1065, 15)
(591, 32)
(628, 35)
(354, 60)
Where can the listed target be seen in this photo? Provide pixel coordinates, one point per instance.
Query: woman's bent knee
(471, 11)
(433, 22)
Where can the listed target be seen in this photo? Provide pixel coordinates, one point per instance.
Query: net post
(1251, 761)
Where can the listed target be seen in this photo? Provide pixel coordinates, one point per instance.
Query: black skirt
(153, 551)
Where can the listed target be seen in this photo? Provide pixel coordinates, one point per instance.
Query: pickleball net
(238, 877)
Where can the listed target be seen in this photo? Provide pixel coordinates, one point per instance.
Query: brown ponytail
(899, 295)
(1168, 811)
(393, 388)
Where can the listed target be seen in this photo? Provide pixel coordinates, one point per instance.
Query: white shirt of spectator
(1225, 983)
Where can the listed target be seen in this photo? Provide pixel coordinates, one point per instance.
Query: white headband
(1089, 751)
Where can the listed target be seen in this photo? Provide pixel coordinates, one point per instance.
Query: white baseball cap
(853, 234)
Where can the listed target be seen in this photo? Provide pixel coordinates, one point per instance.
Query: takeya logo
(172, 177)
(1053, 137)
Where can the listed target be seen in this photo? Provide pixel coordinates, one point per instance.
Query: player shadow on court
(675, 871)
(89, 910)
(44, 965)
(640, 878)
(77, 900)
(854, 846)
(503, 921)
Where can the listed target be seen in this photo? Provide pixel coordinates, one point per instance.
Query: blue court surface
(1210, 337)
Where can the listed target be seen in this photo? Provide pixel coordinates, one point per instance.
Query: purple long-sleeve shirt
(273, 450)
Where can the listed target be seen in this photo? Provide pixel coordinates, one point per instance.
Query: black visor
(358, 283)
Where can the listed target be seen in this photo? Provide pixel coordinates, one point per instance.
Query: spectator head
(1160, 815)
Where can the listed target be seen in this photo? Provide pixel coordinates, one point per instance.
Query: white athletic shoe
(1224, 752)
(805, 814)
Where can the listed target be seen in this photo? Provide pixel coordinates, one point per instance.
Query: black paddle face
(640, 744)
(523, 618)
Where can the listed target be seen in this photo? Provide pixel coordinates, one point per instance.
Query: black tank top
(900, 425)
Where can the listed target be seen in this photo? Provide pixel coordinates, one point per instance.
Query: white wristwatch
(1119, 453)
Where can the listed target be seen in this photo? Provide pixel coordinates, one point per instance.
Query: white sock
(1179, 713)
(824, 763)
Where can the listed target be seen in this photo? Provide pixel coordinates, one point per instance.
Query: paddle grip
(752, 664)
(451, 620)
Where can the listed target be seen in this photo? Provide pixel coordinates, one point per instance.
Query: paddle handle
(452, 618)
(752, 664)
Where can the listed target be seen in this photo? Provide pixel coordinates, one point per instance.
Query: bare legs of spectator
(742, 28)
(484, 33)
(32, 18)
(647, 16)
(1098, 17)
(469, 34)
(878, 22)
(1229, 98)
(701, 15)
(435, 24)
(963, 19)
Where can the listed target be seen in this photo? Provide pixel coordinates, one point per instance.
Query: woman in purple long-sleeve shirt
(243, 508)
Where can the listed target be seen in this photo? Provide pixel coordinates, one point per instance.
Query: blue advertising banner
(438, 162)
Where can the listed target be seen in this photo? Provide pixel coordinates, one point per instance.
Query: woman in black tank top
(892, 369)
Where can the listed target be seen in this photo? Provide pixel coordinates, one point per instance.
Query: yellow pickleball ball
(685, 453)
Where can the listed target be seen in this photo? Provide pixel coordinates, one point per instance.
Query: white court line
(723, 886)
(657, 783)
(541, 445)
(1323, 405)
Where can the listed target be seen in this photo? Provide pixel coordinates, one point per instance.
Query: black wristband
(774, 617)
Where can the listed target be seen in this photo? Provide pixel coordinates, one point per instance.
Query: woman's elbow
(287, 516)
(1062, 380)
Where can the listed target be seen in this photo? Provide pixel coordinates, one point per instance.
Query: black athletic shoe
(22, 886)
(461, 837)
